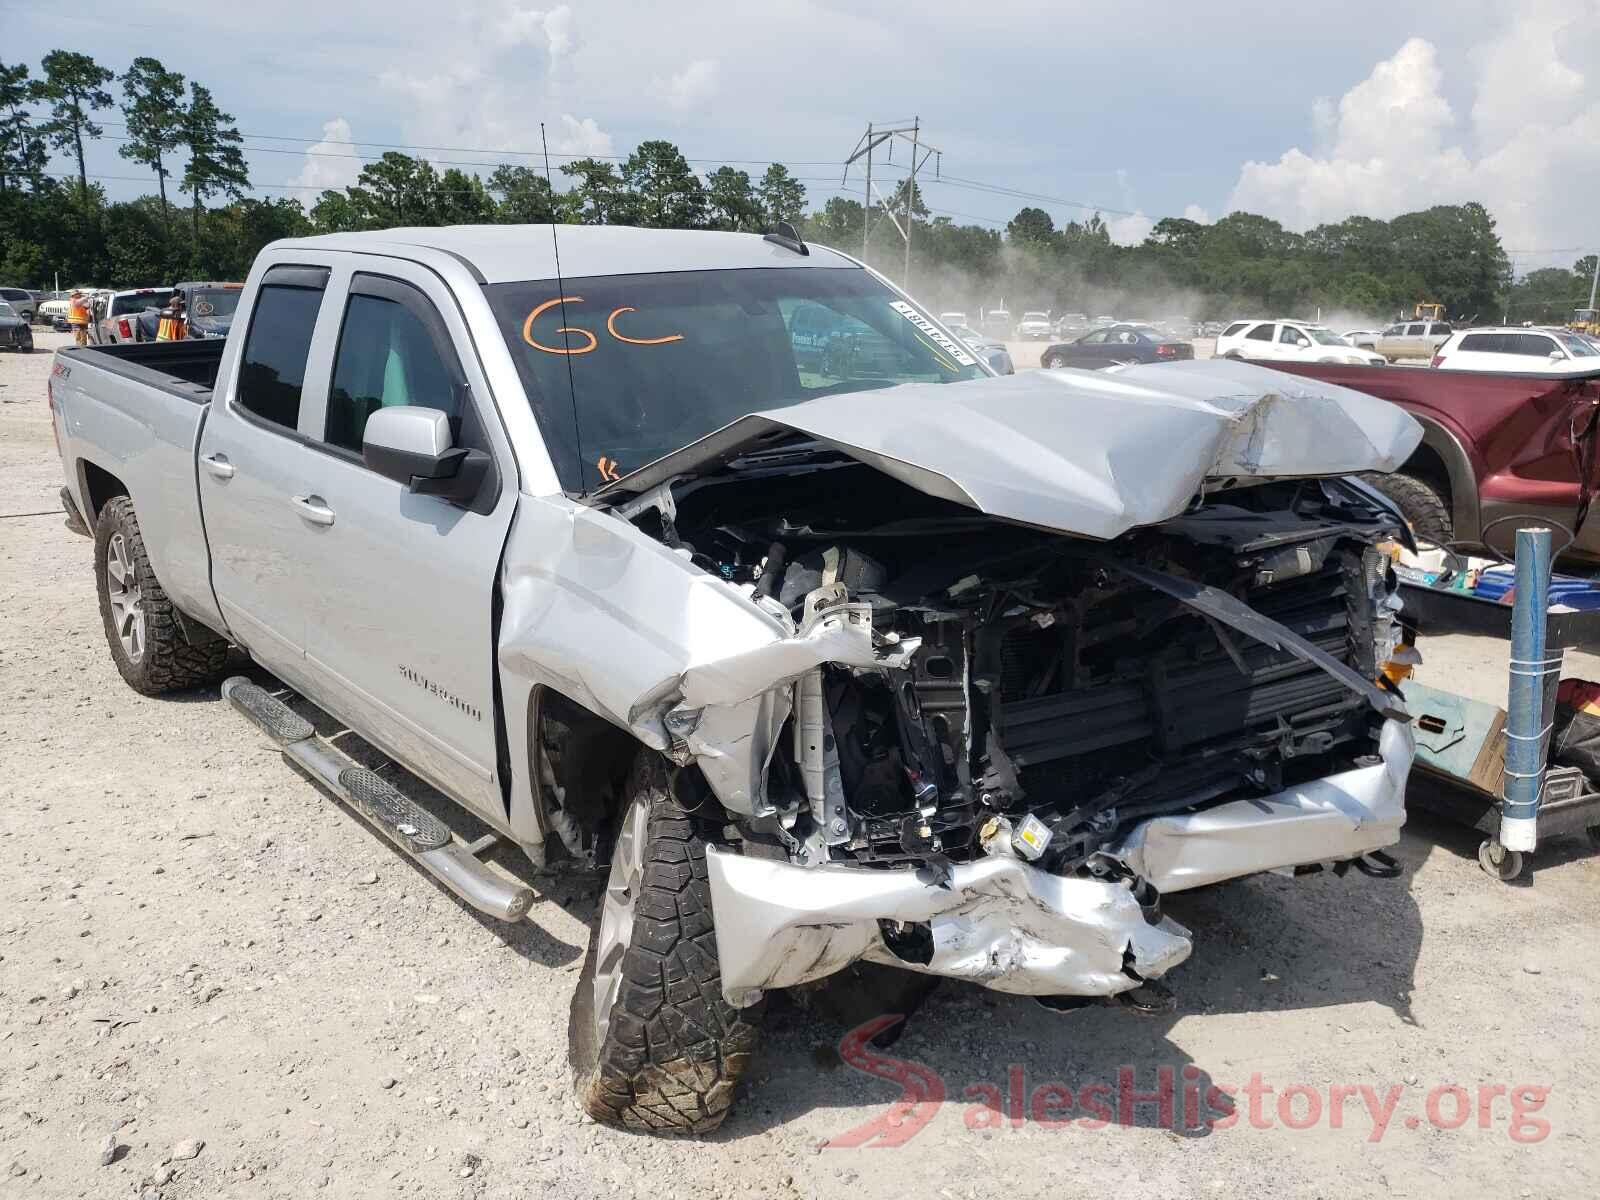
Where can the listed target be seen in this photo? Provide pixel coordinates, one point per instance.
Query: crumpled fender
(615, 621)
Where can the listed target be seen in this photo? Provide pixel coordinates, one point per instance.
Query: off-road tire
(167, 662)
(1420, 504)
(674, 1049)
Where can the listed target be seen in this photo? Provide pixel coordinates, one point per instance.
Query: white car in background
(1528, 351)
(1283, 340)
(1362, 337)
(952, 318)
(1034, 327)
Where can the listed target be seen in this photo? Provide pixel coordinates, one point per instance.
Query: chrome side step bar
(412, 828)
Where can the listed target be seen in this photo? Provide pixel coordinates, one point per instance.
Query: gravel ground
(214, 982)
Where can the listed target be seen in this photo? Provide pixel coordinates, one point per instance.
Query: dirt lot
(197, 948)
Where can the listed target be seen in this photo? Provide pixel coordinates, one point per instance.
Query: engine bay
(1045, 697)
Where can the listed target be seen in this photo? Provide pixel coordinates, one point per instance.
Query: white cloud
(510, 24)
(581, 137)
(1129, 230)
(330, 162)
(1195, 213)
(560, 32)
(488, 79)
(1529, 152)
(696, 83)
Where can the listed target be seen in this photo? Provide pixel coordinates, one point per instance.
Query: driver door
(400, 623)
(1289, 344)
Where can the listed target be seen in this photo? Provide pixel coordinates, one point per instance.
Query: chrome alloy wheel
(127, 603)
(617, 912)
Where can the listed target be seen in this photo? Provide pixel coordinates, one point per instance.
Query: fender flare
(1463, 479)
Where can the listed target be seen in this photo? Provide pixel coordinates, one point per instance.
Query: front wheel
(654, 1046)
(149, 648)
(1420, 503)
(1053, 362)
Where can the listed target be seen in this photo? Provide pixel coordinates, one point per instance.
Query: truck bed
(133, 413)
(187, 369)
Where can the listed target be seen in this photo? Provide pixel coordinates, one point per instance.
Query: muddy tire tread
(1419, 502)
(169, 662)
(675, 1050)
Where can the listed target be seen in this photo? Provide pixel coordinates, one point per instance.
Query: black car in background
(14, 331)
(1117, 344)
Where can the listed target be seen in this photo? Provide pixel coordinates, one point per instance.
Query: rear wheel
(654, 1046)
(1420, 503)
(1054, 361)
(141, 625)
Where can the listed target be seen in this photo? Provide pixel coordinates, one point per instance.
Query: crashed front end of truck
(1036, 660)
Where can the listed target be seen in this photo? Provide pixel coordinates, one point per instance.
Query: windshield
(213, 304)
(1324, 337)
(1578, 347)
(649, 363)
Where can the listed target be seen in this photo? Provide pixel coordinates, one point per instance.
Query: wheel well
(579, 772)
(100, 487)
(1428, 466)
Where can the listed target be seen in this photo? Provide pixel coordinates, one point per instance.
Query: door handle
(219, 465)
(314, 509)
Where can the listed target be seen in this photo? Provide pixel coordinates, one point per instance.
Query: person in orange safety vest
(173, 326)
(78, 317)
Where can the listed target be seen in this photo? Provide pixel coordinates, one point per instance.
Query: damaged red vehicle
(1498, 451)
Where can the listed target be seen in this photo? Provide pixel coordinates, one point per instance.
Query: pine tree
(155, 118)
(74, 88)
(216, 165)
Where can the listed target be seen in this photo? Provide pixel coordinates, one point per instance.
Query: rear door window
(1413, 331)
(1534, 345)
(272, 369)
(1484, 343)
(392, 351)
(1261, 333)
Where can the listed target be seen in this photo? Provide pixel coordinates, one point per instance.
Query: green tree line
(199, 220)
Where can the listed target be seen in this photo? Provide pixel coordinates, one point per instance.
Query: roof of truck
(508, 253)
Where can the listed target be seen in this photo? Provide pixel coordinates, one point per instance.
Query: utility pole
(1594, 283)
(875, 136)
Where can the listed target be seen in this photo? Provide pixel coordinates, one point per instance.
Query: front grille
(1192, 692)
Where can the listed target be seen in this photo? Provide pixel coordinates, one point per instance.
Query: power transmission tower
(921, 151)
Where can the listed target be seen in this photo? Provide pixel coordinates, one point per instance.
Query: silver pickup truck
(818, 656)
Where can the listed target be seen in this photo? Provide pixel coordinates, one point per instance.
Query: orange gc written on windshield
(590, 340)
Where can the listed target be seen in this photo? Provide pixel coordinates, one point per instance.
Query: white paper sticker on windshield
(932, 333)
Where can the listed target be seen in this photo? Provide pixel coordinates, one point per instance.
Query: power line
(281, 137)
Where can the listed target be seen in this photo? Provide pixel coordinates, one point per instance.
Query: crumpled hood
(1088, 453)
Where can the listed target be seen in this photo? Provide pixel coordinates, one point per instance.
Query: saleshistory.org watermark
(1182, 1099)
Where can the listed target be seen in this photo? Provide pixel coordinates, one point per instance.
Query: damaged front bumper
(1011, 927)
(1339, 817)
(1001, 923)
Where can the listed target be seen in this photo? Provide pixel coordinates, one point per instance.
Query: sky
(1303, 114)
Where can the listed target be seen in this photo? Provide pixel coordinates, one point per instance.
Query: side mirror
(1302, 342)
(1556, 356)
(413, 446)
